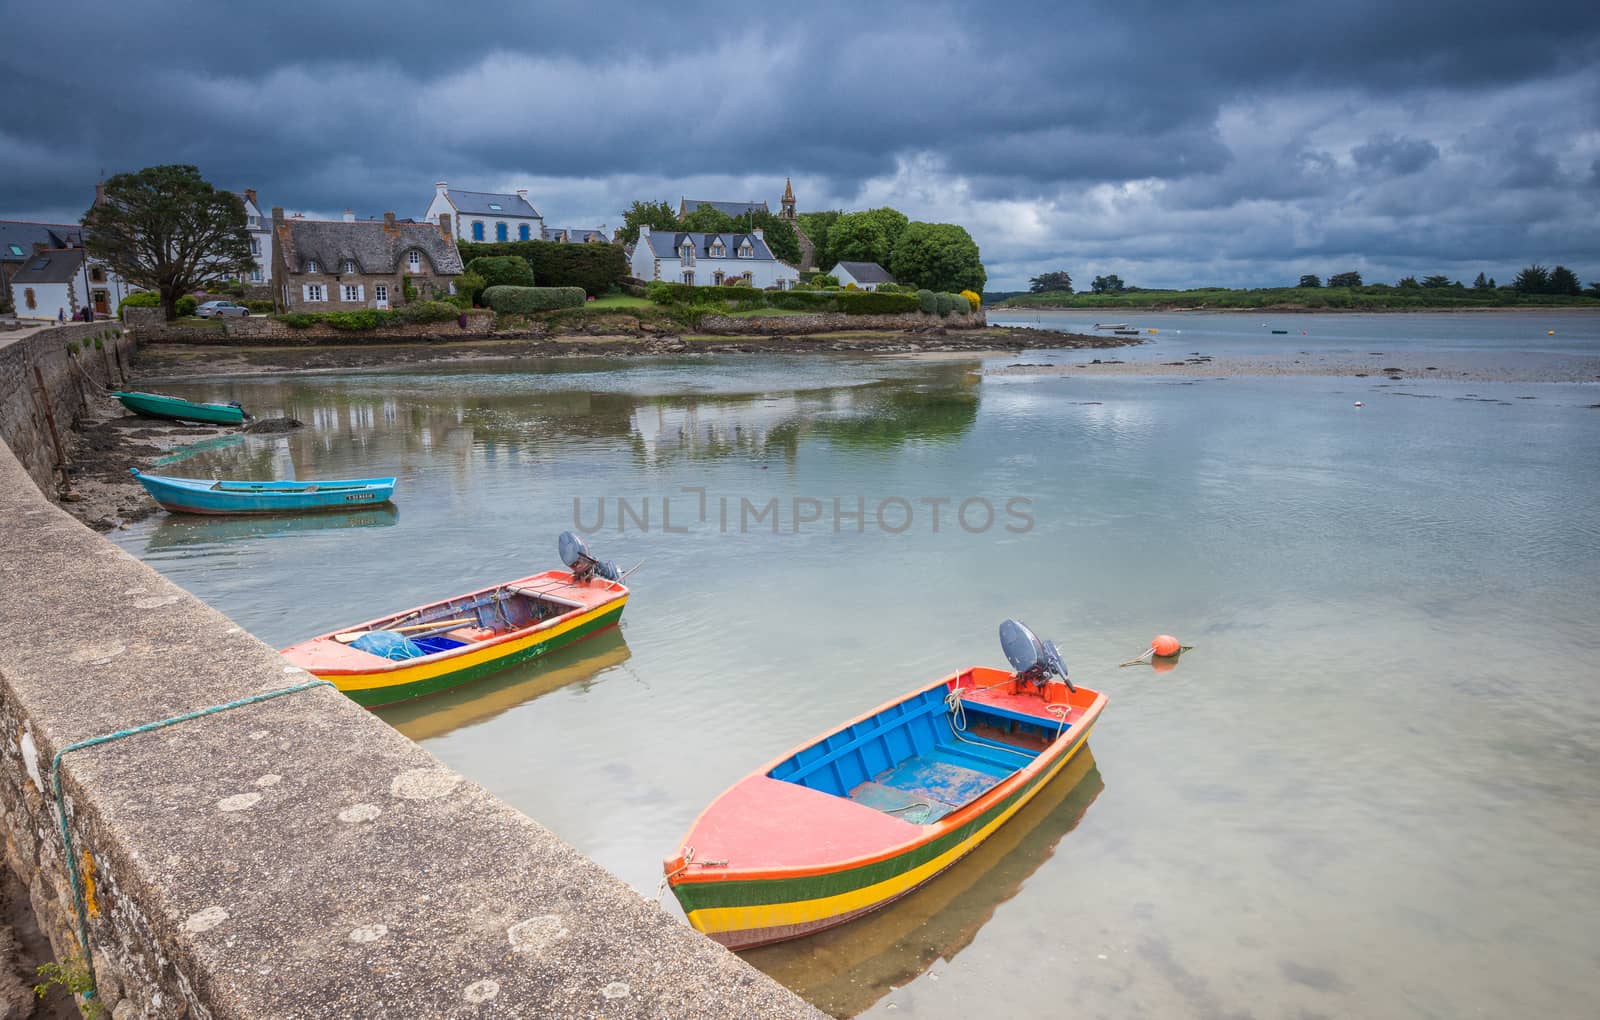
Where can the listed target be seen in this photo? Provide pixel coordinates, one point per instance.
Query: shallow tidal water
(1371, 789)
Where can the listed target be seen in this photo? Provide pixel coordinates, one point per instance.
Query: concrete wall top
(297, 857)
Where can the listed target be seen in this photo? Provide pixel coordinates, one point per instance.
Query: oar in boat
(352, 635)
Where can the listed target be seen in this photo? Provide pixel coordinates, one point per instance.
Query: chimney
(388, 221)
(442, 187)
(522, 193)
(758, 232)
(444, 224)
(250, 193)
(99, 193)
(349, 217)
(644, 231)
(277, 214)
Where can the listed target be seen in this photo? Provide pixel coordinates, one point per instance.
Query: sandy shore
(1453, 366)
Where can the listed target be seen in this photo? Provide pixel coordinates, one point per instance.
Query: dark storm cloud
(1260, 130)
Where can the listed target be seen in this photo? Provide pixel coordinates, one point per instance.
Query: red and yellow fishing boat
(870, 811)
(454, 641)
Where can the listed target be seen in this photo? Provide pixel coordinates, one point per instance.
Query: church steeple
(788, 212)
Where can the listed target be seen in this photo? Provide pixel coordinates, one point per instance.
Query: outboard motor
(1037, 662)
(575, 554)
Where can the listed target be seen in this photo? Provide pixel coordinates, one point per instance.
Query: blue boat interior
(911, 761)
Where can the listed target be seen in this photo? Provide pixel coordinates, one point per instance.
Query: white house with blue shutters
(486, 215)
(710, 260)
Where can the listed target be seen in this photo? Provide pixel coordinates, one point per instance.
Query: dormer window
(413, 261)
(349, 267)
(687, 251)
(746, 251)
(313, 266)
(718, 250)
(253, 222)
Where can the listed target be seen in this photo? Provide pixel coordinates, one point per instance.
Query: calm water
(1373, 788)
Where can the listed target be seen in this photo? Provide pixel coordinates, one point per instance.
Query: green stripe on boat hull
(377, 697)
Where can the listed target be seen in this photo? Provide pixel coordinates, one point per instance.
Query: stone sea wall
(834, 322)
(151, 327)
(103, 352)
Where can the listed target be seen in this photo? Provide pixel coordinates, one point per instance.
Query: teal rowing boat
(156, 405)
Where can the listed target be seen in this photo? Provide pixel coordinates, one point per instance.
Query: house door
(102, 303)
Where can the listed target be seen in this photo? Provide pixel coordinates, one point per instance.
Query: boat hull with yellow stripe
(465, 637)
(872, 810)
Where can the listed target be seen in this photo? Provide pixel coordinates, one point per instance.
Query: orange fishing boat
(873, 809)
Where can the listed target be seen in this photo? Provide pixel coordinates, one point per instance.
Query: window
(716, 278)
(381, 292)
(745, 251)
(315, 292)
(255, 275)
(349, 267)
(255, 246)
(500, 232)
(522, 232)
(687, 253)
(313, 266)
(414, 260)
(27, 296)
(495, 206)
(718, 251)
(688, 276)
(16, 249)
(252, 222)
(97, 274)
(352, 292)
(477, 230)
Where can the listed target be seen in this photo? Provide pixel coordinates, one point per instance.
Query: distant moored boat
(158, 405)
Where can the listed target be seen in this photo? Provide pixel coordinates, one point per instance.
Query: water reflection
(183, 531)
(845, 970)
(481, 700)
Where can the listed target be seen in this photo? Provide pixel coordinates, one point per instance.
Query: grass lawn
(620, 301)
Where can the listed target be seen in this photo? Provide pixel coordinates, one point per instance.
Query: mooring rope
(61, 802)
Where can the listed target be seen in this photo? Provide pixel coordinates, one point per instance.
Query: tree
(168, 230)
(1310, 280)
(1111, 284)
(779, 235)
(1481, 283)
(708, 219)
(939, 257)
(857, 237)
(1351, 279)
(1058, 282)
(501, 271)
(1534, 279)
(1407, 283)
(655, 215)
(1564, 281)
(1433, 282)
(816, 225)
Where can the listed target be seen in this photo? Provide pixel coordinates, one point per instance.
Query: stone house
(865, 275)
(709, 260)
(338, 266)
(486, 215)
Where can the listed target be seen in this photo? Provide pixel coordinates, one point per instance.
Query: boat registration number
(358, 497)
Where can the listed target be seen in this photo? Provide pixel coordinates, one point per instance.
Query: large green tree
(1058, 282)
(655, 215)
(1535, 279)
(1350, 279)
(816, 225)
(938, 256)
(166, 229)
(780, 236)
(1310, 280)
(1564, 281)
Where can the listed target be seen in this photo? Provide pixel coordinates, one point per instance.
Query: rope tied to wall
(61, 802)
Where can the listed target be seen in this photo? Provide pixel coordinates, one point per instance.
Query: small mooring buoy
(1162, 654)
(1360, 404)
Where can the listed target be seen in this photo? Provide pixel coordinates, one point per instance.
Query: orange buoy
(1549, 332)
(1165, 645)
(1164, 665)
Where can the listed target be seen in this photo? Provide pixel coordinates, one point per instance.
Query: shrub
(500, 271)
(927, 301)
(525, 300)
(185, 305)
(594, 267)
(866, 302)
(139, 299)
(801, 300)
(259, 305)
(973, 298)
(366, 319)
(428, 311)
(470, 285)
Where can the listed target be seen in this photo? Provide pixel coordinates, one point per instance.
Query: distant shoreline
(1002, 309)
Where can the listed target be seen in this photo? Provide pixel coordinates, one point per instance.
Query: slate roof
(575, 234)
(476, 203)
(668, 249)
(866, 272)
(689, 205)
(23, 234)
(373, 245)
(59, 265)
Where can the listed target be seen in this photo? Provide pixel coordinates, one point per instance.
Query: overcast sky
(1173, 144)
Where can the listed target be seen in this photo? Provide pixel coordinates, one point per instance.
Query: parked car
(221, 309)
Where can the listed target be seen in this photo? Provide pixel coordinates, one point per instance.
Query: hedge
(594, 267)
(185, 305)
(850, 302)
(525, 300)
(366, 319)
(928, 301)
(501, 271)
(138, 299)
(866, 302)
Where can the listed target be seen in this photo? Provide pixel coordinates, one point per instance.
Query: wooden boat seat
(470, 634)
